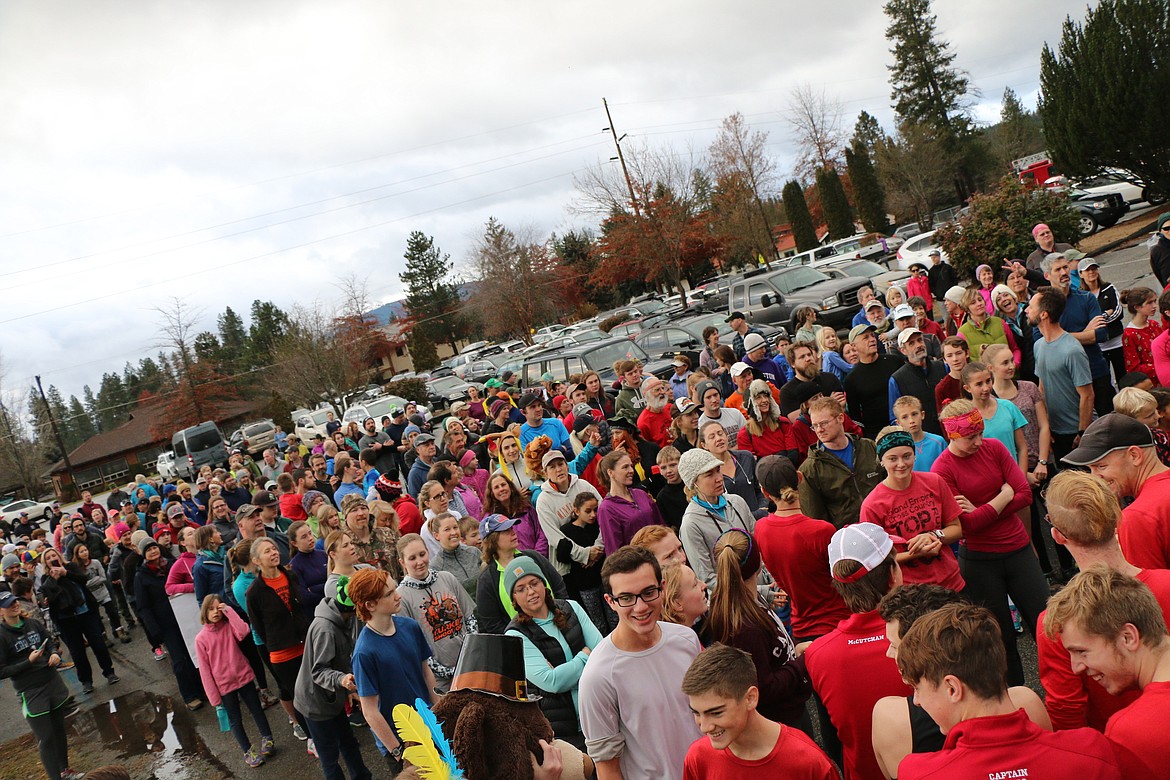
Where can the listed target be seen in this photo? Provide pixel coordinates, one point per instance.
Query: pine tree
(269, 323)
(1103, 92)
(112, 400)
(91, 408)
(926, 86)
(796, 207)
(867, 190)
(422, 351)
(233, 341)
(81, 427)
(432, 299)
(150, 376)
(867, 133)
(838, 215)
(42, 428)
(61, 414)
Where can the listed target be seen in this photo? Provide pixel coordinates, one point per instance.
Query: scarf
(719, 507)
(213, 555)
(426, 582)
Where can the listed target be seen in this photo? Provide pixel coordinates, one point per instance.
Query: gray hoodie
(554, 508)
(318, 694)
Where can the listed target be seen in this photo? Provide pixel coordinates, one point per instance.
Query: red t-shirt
(292, 508)
(795, 757)
(795, 549)
(926, 505)
(410, 520)
(1012, 746)
(655, 426)
(1139, 733)
(1144, 532)
(979, 477)
(948, 389)
(850, 671)
(1075, 700)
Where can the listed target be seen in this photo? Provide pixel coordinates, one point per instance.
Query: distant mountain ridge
(395, 310)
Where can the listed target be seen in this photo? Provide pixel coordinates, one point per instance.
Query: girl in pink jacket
(227, 677)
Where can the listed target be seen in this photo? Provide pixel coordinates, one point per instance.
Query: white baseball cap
(865, 543)
(739, 368)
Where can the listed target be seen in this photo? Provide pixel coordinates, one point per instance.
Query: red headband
(964, 425)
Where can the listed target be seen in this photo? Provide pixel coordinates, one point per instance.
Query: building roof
(136, 434)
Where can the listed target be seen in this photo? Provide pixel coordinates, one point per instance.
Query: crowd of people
(804, 559)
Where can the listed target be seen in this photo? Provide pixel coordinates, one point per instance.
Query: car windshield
(649, 307)
(602, 358)
(198, 441)
(380, 408)
(257, 429)
(446, 383)
(320, 417)
(863, 268)
(699, 324)
(798, 279)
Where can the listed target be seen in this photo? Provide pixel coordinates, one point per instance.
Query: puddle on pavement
(144, 732)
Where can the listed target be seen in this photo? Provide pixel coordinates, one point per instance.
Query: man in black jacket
(867, 385)
(28, 656)
(941, 277)
(917, 378)
(1160, 251)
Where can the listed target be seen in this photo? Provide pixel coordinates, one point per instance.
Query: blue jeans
(231, 703)
(334, 738)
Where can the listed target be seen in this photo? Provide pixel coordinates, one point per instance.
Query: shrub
(999, 226)
(410, 389)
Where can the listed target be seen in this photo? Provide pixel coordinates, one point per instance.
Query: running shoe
(159, 654)
(86, 688)
(299, 732)
(312, 748)
(195, 704)
(70, 774)
(357, 719)
(253, 759)
(65, 665)
(113, 679)
(267, 746)
(267, 699)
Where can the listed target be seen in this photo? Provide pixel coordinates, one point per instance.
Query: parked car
(1124, 183)
(254, 437)
(478, 370)
(596, 356)
(878, 275)
(1097, 211)
(165, 465)
(908, 231)
(444, 391)
(915, 250)
(686, 336)
(38, 511)
(307, 424)
(772, 297)
(378, 409)
(198, 445)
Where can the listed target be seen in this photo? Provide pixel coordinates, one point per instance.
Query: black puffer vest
(557, 707)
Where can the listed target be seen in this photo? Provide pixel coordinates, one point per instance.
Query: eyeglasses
(648, 596)
(818, 426)
(532, 587)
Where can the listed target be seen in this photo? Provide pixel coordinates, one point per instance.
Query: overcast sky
(226, 151)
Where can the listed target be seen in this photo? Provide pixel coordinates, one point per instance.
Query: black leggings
(991, 578)
(75, 631)
(52, 740)
(285, 673)
(251, 699)
(112, 615)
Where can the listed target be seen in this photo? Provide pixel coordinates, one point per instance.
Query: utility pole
(618, 143)
(57, 435)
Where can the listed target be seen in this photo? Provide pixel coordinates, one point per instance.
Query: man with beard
(806, 369)
(235, 495)
(654, 421)
(385, 449)
(866, 385)
(917, 378)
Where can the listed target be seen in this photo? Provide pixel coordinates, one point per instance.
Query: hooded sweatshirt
(318, 694)
(222, 667)
(554, 508)
(446, 615)
(39, 685)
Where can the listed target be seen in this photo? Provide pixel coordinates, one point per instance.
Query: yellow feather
(422, 753)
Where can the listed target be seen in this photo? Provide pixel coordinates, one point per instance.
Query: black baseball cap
(736, 315)
(1112, 432)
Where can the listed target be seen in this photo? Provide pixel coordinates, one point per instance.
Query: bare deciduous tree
(739, 160)
(22, 457)
(313, 362)
(815, 120)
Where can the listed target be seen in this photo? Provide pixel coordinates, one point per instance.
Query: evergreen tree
(838, 215)
(432, 299)
(422, 350)
(111, 399)
(150, 376)
(207, 348)
(1103, 92)
(91, 408)
(867, 133)
(867, 190)
(61, 414)
(269, 323)
(927, 87)
(81, 427)
(796, 207)
(42, 428)
(233, 341)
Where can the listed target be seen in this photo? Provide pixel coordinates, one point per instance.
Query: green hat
(342, 598)
(1162, 220)
(520, 567)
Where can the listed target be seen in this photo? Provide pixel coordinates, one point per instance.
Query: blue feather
(441, 743)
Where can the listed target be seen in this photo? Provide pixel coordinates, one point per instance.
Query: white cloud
(137, 138)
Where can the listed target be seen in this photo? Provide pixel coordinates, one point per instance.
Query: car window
(380, 408)
(574, 365)
(798, 279)
(738, 296)
(200, 440)
(654, 341)
(257, 429)
(864, 268)
(756, 294)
